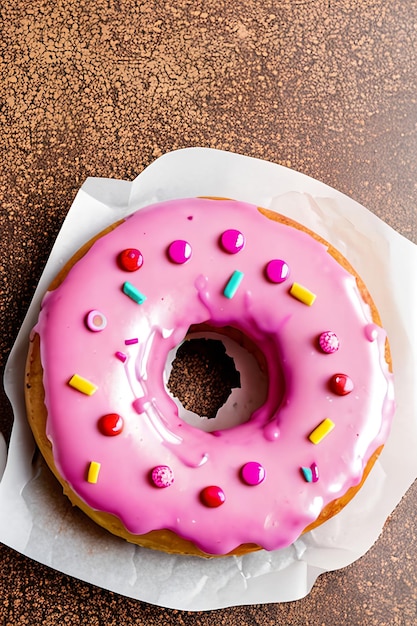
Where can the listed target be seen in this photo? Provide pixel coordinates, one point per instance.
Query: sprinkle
(130, 259)
(253, 473)
(121, 356)
(329, 342)
(308, 474)
(233, 284)
(311, 474)
(82, 384)
(303, 294)
(315, 472)
(93, 472)
(96, 321)
(321, 431)
(131, 291)
(341, 384)
(212, 496)
(110, 424)
(179, 251)
(162, 476)
(232, 241)
(277, 271)
(130, 342)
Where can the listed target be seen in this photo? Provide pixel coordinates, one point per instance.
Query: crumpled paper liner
(38, 521)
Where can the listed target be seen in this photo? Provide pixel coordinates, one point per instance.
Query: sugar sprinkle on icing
(321, 431)
(133, 293)
(82, 384)
(302, 294)
(233, 284)
(93, 472)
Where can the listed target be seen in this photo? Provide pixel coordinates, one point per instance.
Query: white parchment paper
(38, 521)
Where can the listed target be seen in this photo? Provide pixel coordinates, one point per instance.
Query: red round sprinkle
(212, 496)
(130, 259)
(110, 424)
(277, 271)
(341, 384)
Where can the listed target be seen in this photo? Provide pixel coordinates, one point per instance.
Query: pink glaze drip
(274, 512)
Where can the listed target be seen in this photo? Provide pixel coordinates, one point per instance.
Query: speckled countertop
(326, 87)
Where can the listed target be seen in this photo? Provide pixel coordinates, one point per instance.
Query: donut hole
(215, 380)
(213, 376)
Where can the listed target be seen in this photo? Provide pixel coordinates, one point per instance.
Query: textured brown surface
(101, 89)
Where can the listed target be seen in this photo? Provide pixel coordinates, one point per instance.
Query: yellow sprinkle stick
(321, 431)
(93, 472)
(83, 385)
(303, 294)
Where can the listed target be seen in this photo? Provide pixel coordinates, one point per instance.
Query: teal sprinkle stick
(233, 284)
(308, 474)
(133, 293)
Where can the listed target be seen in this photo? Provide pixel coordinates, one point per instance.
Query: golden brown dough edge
(166, 540)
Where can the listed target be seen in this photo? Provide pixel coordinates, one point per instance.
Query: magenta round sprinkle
(253, 473)
(329, 342)
(232, 241)
(277, 271)
(179, 251)
(162, 476)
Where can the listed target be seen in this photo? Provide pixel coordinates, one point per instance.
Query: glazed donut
(106, 424)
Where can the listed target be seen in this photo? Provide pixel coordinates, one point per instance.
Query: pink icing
(274, 512)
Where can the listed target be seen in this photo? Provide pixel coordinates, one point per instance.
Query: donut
(100, 409)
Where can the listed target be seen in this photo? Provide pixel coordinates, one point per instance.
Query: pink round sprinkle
(96, 321)
(179, 251)
(277, 271)
(253, 473)
(162, 476)
(232, 241)
(329, 342)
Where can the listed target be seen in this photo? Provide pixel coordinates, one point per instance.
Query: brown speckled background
(327, 87)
